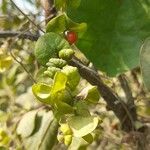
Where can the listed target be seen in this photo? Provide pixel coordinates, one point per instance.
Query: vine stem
(130, 99)
(22, 65)
(19, 34)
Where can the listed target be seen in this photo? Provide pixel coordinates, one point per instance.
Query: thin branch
(128, 93)
(20, 34)
(22, 65)
(27, 16)
(124, 84)
(49, 9)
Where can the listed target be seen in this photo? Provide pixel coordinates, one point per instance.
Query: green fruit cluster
(54, 52)
(66, 134)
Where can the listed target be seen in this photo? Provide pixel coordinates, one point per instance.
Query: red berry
(71, 36)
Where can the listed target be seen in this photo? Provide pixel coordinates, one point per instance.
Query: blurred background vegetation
(16, 97)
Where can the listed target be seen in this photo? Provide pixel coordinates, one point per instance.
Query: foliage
(57, 108)
(115, 31)
(144, 62)
(44, 51)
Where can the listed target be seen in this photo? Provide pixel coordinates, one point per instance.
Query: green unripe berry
(56, 62)
(65, 129)
(50, 72)
(66, 54)
(67, 140)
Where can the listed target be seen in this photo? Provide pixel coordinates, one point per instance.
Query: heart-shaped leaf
(42, 92)
(27, 124)
(57, 24)
(82, 126)
(48, 46)
(80, 28)
(44, 135)
(60, 80)
(115, 30)
(62, 22)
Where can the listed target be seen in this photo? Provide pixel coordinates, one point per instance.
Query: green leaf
(3, 148)
(48, 46)
(82, 126)
(57, 24)
(27, 124)
(115, 30)
(64, 108)
(5, 62)
(73, 3)
(73, 76)
(60, 4)
(82, 109)
(60, 81)
(89, 94)
(78, 144)
(145, 62)
(63, 4)
(4, 138)
(88, 138)
(44, 135)
(80, 28)
(42, 92)
(62, 22)
(50, 136)
(60, 96)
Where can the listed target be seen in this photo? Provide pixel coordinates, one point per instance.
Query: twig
(20, 34)
(128, 93)
(124, 84)
(49, 9)
(22, 65)
(27, 16)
